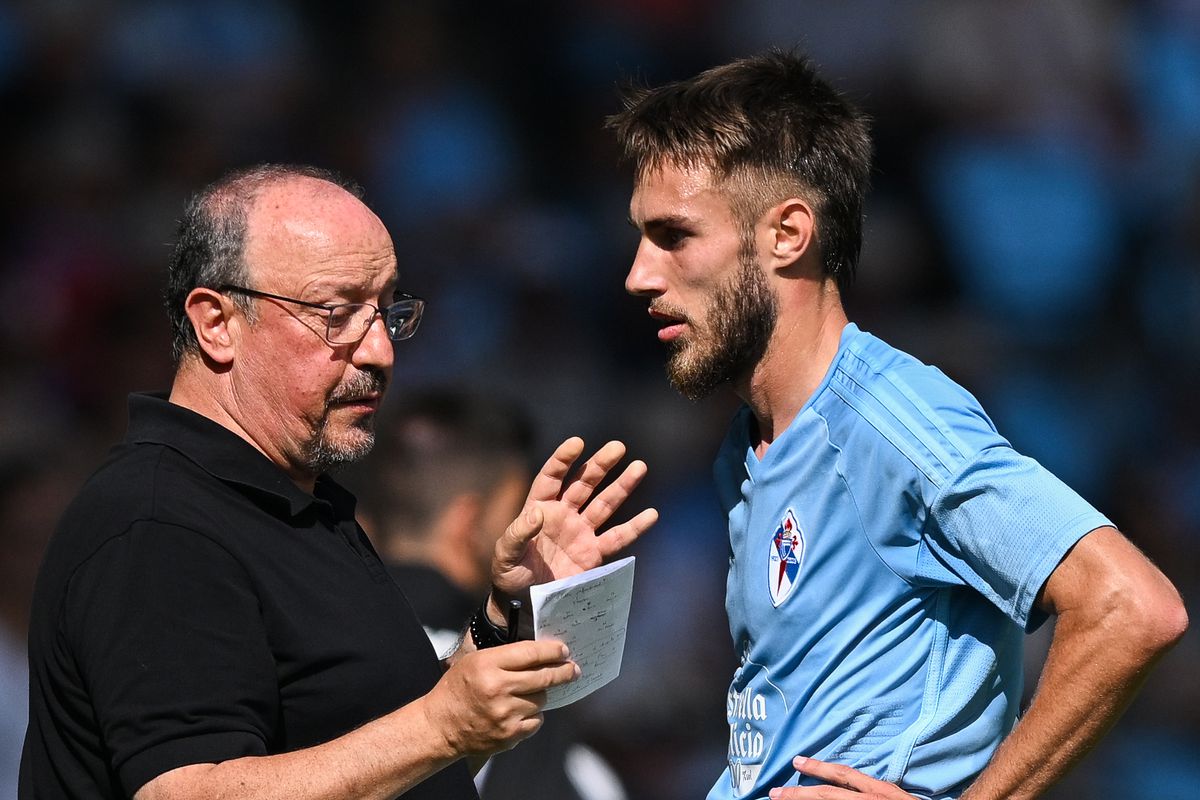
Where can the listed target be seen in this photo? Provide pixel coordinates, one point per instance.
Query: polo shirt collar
(226, 456)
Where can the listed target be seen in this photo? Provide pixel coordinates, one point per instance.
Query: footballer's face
(699, 269)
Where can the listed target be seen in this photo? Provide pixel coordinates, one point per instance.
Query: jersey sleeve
(1002, 524)
(167, 633)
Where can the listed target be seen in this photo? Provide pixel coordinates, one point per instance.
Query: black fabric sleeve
(168, 633)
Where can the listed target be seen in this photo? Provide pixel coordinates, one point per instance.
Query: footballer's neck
(806, 339)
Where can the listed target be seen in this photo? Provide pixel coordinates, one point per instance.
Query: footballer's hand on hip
(841, 783)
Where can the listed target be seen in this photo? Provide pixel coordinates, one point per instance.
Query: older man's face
(307, 404)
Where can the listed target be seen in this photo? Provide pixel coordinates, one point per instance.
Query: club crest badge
(787, 554)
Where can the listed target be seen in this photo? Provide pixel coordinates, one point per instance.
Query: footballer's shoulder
(914, 407)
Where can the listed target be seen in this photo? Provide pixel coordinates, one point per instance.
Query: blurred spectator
(33, 489)
(449, 472)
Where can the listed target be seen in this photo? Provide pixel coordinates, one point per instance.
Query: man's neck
(801, 350)
(197, 393)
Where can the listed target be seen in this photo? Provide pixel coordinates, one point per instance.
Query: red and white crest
(786, 556)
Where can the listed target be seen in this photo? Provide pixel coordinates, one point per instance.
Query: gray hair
(211, 240)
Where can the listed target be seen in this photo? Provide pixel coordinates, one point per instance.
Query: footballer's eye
(669, 237)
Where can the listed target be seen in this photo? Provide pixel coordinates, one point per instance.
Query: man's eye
(341, 316)
(670, 238)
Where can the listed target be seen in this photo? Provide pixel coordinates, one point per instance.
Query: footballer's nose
(645, 278)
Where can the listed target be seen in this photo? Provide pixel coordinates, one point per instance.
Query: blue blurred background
(1034, 230)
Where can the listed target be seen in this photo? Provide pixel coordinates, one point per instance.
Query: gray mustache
(360, 384)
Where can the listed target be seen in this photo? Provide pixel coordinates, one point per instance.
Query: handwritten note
(589, 612)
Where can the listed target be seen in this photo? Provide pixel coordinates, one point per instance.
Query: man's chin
(693, 383)
(355, 442)
(340, 445)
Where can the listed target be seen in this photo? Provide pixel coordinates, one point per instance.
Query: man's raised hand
(557, 533)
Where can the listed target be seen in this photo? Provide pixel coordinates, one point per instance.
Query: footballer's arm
(1117, 615)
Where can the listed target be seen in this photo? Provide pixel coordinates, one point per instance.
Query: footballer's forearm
(1117, 615)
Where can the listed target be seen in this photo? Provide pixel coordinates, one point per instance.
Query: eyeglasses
(348, 323)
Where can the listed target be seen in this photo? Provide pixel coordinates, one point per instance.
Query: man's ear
(792, 227)
(455, 544)
(210, 314)
(458, 522)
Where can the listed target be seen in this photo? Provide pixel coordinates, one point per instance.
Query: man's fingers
(817, 793)
(608, 501)
(512, 543)
(491, 699)
(530, 725)
(532, 667)
(850, 783)
(581, 487)
(618, 537)
(529, 654)
(833, 774)
(532, 685)
(549, 481)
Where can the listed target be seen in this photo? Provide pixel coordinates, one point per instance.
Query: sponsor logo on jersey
(754, 707)
(787, 554)
(743, 777)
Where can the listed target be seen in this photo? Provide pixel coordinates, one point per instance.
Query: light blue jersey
(885, 557)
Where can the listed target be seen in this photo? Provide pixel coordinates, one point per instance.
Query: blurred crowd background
(1034, 229)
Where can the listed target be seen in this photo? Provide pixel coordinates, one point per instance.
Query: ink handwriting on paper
(590, 613)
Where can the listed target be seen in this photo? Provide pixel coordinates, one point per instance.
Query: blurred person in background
(209, 619)
(448, 472)
(889, 549)
(32, 491)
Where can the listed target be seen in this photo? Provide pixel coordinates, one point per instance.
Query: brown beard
(739, 322)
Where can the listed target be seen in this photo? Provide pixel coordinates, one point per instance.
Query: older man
(210, 620)
(448, 472)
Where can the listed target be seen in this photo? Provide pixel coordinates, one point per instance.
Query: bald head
(308, 221)
(212, 241)
(265, 260)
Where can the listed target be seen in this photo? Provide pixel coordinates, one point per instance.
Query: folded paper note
(589, 612)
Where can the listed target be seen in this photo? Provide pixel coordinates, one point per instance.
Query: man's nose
(376, 348)
(645, 275)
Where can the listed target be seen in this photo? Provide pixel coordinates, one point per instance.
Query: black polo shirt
(196, 606)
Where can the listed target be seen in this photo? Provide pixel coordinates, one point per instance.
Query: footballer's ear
(792, 227)
(211, 313)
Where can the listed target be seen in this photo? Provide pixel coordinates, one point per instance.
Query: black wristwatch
(484, 633)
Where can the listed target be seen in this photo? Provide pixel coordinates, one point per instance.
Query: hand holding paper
(589, 612)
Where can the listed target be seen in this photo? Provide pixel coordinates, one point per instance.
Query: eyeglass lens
(348, 323)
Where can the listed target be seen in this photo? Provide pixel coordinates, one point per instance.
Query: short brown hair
(769, 128)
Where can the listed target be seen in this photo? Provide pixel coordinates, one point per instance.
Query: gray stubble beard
(321, 454)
